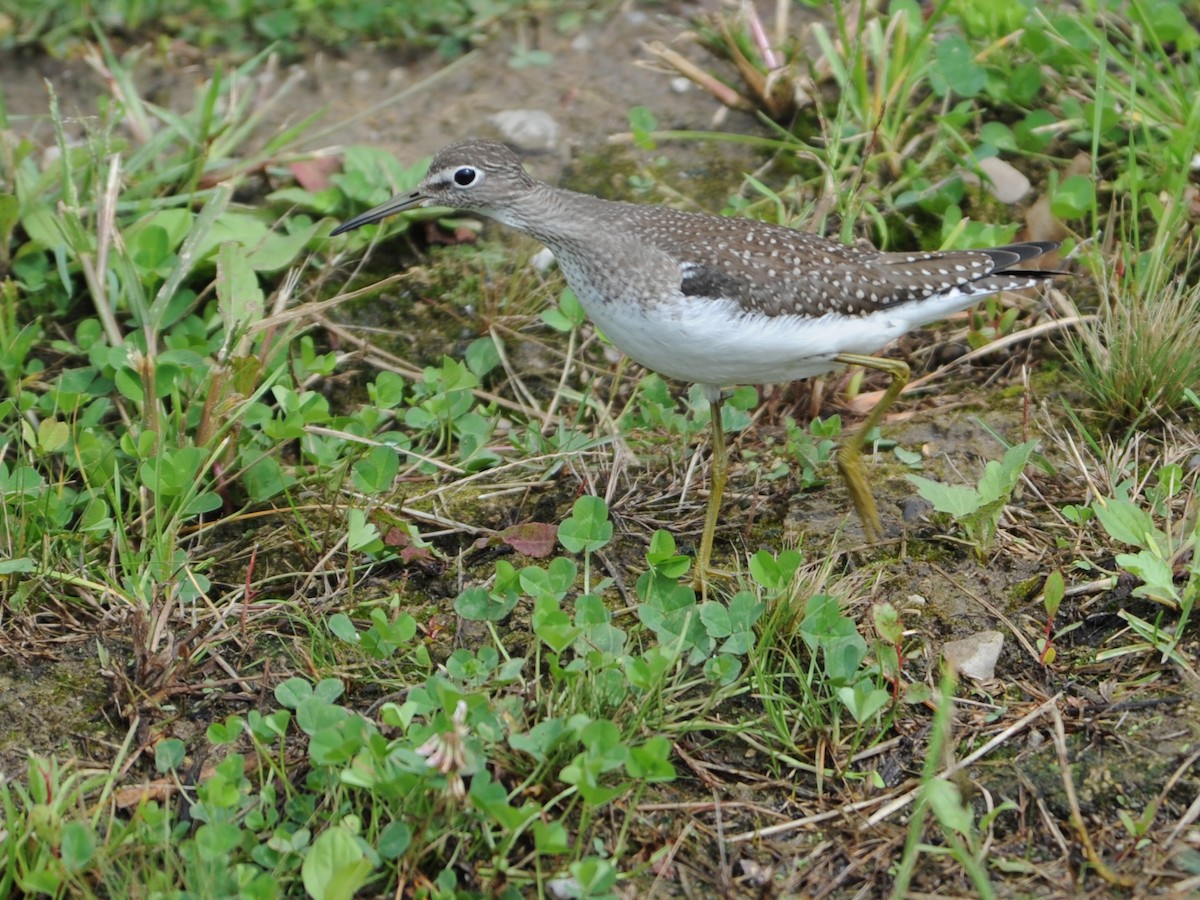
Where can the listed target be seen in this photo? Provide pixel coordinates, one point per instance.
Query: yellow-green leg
(849, 454)
(720, 471)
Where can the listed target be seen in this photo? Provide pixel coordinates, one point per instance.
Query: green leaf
(955, 69)
(334, 867)
(491, 798)
(947, 805)
(863, 700)
(541, 739)
(1074, 198)
(1024, 83)
(954, 499)
(266, 479)
(214, 842)
(386, 391)
(887, 622)
(999, 478)
(341, 626)
(602, 738)
(482, 356)
(552, 625)
(651, 761)
(202, 503)
(551, 837)
(239, 295)
(588, 528)
(129, 384)
(722, 669)
(556, 580)
(394, 840)
(360, 534)
(1053, 592)
(591, 610)
(824, 621)
(477, 604)
(842, 657)
(1170, 25)
(642, 122)
(998, 135)
(77, 847)
(375, 473)
(292, 692)
(225, 732)
(567, 315)
(41, 223)
(594, 876)
(715, 618)
(775, 573)
(168, 755)
(663, 559)
(1127, 522)
(669, 610)
(150, 247)
(278, 249)
(10, 209)
(1155, 572)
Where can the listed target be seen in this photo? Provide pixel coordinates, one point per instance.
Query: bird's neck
(554, 216)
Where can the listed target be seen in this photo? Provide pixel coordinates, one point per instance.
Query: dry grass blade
(674, 60)
(1064, 763)
(1003, 737)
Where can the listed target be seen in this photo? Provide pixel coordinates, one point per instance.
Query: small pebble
(542, 260)
(975, 657)
(526, 129)
(1005, 183)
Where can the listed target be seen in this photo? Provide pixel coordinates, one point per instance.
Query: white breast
(715, 342)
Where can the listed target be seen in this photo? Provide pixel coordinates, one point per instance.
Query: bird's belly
(718, 343)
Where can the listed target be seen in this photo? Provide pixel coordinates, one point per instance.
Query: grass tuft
(1140, 357)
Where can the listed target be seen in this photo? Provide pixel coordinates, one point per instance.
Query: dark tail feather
(1004, 258)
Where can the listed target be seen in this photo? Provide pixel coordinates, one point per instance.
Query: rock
(542, 260)
(1004, 182)
(526, 129)
(975, 656)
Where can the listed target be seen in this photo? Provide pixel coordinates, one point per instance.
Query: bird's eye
(465, 176)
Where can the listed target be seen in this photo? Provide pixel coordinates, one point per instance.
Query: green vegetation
(244, 26)
(978, 509)
(422, 623)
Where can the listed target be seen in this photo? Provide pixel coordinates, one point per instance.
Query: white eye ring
(465, 176)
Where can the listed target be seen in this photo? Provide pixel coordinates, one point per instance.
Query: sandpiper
(722, 301)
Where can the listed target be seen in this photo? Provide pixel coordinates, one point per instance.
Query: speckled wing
(813, 277)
